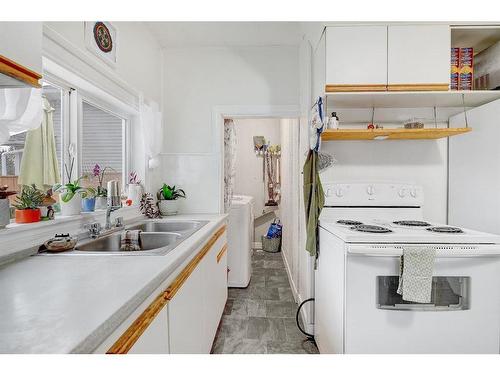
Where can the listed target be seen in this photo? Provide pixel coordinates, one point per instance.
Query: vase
(72, 207)
(88, 204)
(134, 193)
(100, 203)
(31, 215)
(4, 213)
(168, 207)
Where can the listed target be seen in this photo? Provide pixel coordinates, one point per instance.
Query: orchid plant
(71, 188)
(98, 172)
(133, 179)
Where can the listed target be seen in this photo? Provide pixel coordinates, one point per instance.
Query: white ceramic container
(73, 207)
(134, 193)
(168, 207)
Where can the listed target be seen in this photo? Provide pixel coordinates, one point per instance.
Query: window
(103, 143)
(11, 152)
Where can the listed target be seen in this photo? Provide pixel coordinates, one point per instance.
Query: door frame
(219, 113)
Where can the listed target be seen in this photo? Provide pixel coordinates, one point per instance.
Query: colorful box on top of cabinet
(455, 68)
(462, 69)
(466, 78)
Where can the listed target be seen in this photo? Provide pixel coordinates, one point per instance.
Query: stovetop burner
(349, 222)
(412, 223)
(447, 230)
(370, 229)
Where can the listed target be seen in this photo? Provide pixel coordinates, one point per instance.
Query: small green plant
(69, 190)
(170, 193)
(30, 198)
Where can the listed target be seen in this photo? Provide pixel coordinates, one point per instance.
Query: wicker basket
(271, 245)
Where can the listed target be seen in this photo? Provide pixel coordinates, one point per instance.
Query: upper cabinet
(418, 58)
(387, 58)
(20, 54)
(356, 58)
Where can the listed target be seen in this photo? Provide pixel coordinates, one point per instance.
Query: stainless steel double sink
(156, 238)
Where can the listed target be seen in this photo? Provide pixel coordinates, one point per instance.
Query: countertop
(70, 304)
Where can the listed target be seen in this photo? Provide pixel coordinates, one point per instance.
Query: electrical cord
(297, 318)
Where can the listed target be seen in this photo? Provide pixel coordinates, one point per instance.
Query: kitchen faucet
(113, 202)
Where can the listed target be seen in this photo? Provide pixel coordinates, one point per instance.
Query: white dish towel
(415, 274)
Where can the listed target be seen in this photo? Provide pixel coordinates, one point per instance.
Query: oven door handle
(440, 253)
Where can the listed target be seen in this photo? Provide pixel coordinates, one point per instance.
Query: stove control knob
(413, 192)
(339, 192)
(402, 193)
(370, 190)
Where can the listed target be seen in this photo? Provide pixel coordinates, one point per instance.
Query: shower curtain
(39, 164)
(229, 162)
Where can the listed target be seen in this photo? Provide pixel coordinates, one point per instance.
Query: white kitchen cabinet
(356, 58)
(154, 340)
(418, 57)
(21, 42)
(215, 286)
(186, 316)
(195, 310)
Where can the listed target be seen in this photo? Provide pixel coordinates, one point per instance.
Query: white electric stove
(364, 228)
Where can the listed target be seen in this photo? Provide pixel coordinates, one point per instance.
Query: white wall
(196, 82)
(249, 172)
(22, 43)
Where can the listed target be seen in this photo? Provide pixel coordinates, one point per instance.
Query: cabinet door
(419, 57)
(356, 58)
(185, 316)
(215, 268)
(154, 340)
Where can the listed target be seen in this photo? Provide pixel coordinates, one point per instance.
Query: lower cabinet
(195, 310)
(184, 317)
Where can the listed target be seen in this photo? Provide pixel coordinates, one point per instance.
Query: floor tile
(261, 317)
(280, 309)
(292, 347)
(266, 329)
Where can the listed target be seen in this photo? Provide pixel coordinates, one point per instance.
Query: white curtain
(39, 164)
(20, 110)
(229, 162)
(151, 122)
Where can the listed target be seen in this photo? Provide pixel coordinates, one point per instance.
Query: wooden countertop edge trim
(15, 70)
(355, 88)
(132, 334)
(221, 253)
(419, 87)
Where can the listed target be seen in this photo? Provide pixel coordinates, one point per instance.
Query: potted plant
(27, 203)
(70, 197)
(134, 189)
(101, 192)
(167, 199)
(88, 199)
(5, 205)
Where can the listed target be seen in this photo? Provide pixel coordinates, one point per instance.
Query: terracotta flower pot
(27, 216)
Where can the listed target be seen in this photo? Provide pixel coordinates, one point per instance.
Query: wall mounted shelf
(406, 99)
(382, 134)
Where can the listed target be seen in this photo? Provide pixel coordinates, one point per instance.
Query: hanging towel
(415, 274)
(130, 240)
(314, 200)
(39, 163)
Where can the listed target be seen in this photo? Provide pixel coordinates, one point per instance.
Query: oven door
(463, 316)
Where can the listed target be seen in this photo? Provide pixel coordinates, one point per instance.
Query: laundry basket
(271, 245)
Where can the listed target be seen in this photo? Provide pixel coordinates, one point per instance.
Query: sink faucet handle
(119, 221)
(94, 229)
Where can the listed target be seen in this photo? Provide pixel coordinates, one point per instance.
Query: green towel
(39, 163)
(314, 200)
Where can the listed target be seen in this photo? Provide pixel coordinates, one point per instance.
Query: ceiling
(225, 34)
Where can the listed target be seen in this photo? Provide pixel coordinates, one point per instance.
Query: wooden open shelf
(381, 134)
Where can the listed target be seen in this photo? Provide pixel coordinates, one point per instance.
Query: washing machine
(240, 240)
